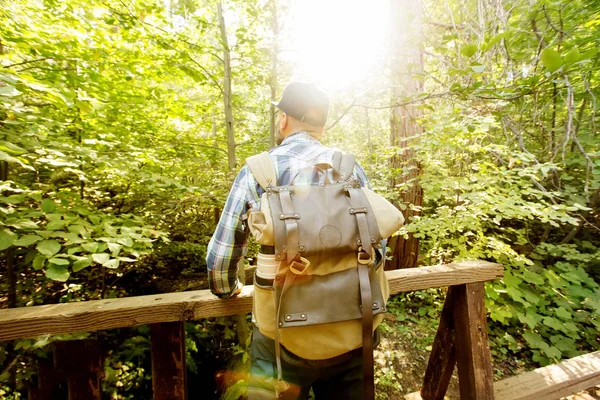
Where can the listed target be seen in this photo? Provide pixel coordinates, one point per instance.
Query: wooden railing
(461, 338)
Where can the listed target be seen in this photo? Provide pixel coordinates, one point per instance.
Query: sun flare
(336, 43)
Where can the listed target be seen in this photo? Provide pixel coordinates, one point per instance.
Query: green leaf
(512, 280)
(7, 239)
(14, 198)
(553, 323)
(27, 240)
(589, 54)
(24, 224)
(493, 41)
(563, 313)
(77, 228)
(114, 248)
(535, 340)
(9, 159)
(468, 50)
(551, 59)
(38, 262)
(73, 250)
(81, 263)
(59, 261)
(57, 273)
(53, 217)
(48, 247)
(11, 148)
(9, 91)
(552, 352)
(101, 258)
(532, 277)
(531, 319)
(563, 343)
(477, 68)
(48, 205)
(126, 241)
(112, 263)
(55, 225)
(81, 211)
(90, 247)
(70, 237)
(572, 56)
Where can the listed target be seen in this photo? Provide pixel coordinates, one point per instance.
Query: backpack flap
(327, 233)
(303, 302)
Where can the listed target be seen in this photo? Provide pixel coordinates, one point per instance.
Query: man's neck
(316, 135)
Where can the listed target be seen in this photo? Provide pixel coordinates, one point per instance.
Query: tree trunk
(406, 62)
(231, 161)
(12, 287)
(273, 84)
(8, 256)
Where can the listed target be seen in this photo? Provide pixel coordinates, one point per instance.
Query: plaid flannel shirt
(228, 244)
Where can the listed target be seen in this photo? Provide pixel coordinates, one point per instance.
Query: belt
(264, 249)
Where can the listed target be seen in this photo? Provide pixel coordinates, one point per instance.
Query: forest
(123, 124)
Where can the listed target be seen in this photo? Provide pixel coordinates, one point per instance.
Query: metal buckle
(299, 267)
(364, 258)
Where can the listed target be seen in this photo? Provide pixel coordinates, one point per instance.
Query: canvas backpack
(320, 262)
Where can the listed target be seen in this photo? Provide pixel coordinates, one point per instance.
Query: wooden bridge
(461, 339)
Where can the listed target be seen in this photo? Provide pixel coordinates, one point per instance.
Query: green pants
(337, 378)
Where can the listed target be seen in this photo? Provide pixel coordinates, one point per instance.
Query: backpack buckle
(364, 258)
(299, 267)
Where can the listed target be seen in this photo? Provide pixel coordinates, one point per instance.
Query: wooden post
(47, 382)
(80, 362)
(169, 378)
(472, 348)
(443, 355)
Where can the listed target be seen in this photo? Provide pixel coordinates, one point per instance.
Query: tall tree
(274, 62)
(406, 64)
(231, 160)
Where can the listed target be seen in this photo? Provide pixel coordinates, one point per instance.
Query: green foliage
(114, 141)
(508, 178)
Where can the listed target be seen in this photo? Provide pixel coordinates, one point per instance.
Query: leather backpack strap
(281, 386)
(364, 259)
(344, 164)
(262, 169)
(367, 330)
(347, 166)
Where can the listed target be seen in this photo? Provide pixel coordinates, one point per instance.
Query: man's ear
(283, 121)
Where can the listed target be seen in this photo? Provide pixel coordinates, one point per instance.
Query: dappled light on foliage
(117, 153)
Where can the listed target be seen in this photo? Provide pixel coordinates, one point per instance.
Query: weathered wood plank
(443, 355)
(169, 378)
(473, 357)
(552, 382)
(410, 279)
(98, 315)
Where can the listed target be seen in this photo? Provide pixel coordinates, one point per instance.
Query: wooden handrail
(95, 315)
(551, 382)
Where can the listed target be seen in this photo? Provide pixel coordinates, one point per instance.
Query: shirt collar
(299, 137)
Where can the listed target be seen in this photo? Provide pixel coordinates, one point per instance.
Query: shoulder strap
(343, 163)
(262, 169)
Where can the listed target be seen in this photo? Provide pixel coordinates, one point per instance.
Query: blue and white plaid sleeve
(228, 244)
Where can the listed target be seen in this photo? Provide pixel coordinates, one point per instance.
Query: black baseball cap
(300, 97)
